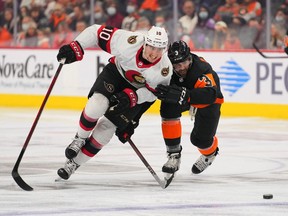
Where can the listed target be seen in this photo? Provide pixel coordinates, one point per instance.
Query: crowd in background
(203, 24)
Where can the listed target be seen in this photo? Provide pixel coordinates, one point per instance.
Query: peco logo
(29, 68)
(232, 77)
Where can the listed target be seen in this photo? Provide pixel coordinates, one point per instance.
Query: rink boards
(252, 85)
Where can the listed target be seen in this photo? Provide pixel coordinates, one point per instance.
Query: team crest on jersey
(109, 87)
(132, 39)
(139, 79)
(165, 71)
(135, 77)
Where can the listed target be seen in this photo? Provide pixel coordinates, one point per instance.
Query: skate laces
(77, 143)
(204, 161)
(71, 166)
(173, 159)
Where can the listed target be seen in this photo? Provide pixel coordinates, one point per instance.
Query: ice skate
(73, 149)
(203, 162)
(69, 168)
(173, 163)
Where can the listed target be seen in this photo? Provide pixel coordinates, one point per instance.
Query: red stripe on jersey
(105, 34)
(150, 88)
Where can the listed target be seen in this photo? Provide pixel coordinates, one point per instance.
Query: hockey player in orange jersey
(194, 86)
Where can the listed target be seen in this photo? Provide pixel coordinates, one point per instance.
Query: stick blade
(167, 181)
(265, 56)
(21, 183)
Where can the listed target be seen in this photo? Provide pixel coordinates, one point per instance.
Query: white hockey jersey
(126, 47)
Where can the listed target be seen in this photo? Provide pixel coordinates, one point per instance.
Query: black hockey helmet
(178, 52)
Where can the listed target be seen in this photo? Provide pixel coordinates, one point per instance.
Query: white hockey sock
(81, 158)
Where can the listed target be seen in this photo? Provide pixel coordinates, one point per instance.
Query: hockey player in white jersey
(121, 93)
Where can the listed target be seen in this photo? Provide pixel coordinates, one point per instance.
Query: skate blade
(59, 179)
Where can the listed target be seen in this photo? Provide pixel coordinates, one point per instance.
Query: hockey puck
(268, 196)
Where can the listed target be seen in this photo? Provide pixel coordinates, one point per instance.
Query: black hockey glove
(172, 94)
(122, 101)
(71, 52)
(127, 132)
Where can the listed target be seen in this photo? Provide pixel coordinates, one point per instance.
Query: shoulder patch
(109, 87)
(132, 39)
(165, 71)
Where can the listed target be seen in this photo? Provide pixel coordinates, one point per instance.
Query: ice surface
(253, 161)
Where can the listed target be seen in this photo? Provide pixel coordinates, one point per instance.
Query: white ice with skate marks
(252, 161)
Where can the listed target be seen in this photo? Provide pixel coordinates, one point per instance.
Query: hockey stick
(164, 183)
(265, 56)
(15, 173)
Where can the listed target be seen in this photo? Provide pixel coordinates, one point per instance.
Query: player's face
(151, 53)
(182, 68)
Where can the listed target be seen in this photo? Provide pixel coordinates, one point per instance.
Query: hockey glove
(122, 101)
(172, 94)
(71, 52)
(127, 132)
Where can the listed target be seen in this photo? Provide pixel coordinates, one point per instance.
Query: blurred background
(221, 31)
(203, 24)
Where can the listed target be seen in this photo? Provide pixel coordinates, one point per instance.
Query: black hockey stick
(15, 173)
(164, 183)
(265, 56)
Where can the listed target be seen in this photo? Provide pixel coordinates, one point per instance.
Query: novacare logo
(29, 68)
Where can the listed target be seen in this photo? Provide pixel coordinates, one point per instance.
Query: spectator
(277, 38)
(213, 5)
(188, 40)
(189, 19)
(284, 5)
(29, 36)
(99, 15)
(130, 21)
(249, 32)
(39, 18)
(232, 41)
(148, 9)
(49, 8)
(80, 26)
(5, 36)
(220, 35)
(24, 11)
(75, 16)
(32, 3)
(44, 38)
(50, 5)
(8, 21)
(250, 9)
(160, 21)
(227, 11)
(280, 19)
(204, 32)
(143, 24)
(164, 7)
(58, 15)
(8, 4)
(62, 35)
(115, 18)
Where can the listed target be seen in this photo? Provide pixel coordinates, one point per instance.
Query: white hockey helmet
(157, 37)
